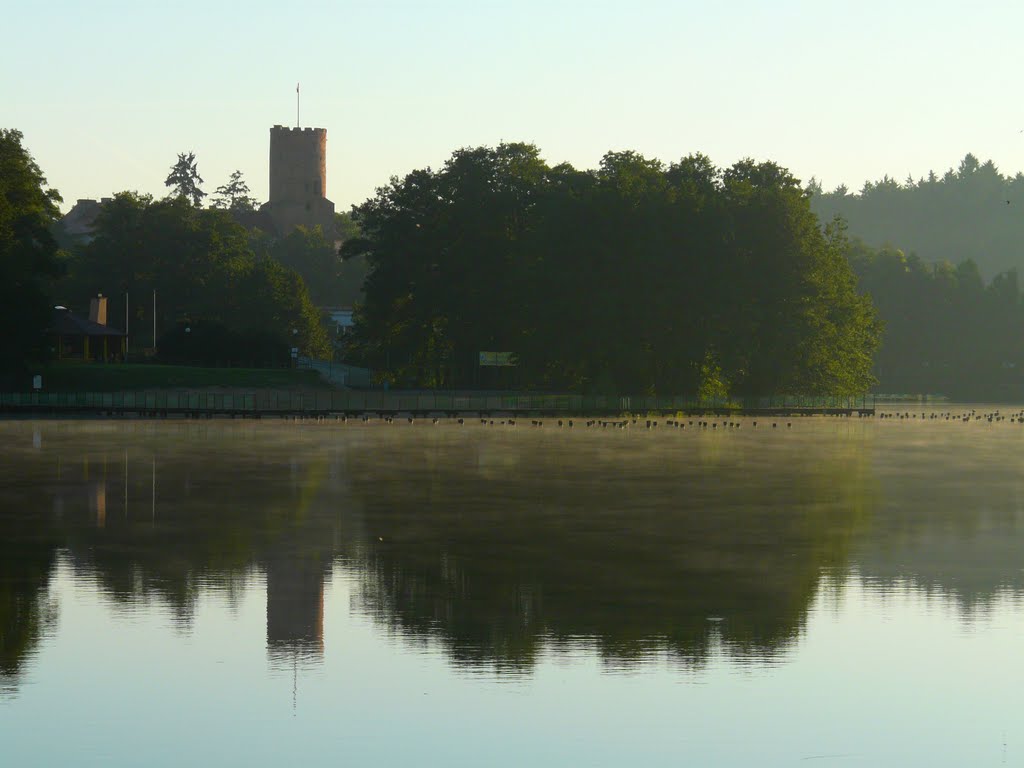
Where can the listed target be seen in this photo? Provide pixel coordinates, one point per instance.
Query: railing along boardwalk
(354, 403)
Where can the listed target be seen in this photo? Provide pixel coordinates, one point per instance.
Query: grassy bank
(78, 377)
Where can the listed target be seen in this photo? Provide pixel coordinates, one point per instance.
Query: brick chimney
(98, 309)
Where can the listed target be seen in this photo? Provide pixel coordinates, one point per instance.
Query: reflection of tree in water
(211, 524)
(27, 557)
(499, 551)
(498, 545)
(950, 522)
(187, 526)
(152, 521)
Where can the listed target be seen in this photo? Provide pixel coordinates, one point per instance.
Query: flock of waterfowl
(572, 423)
(1017, 417)
(695, 423)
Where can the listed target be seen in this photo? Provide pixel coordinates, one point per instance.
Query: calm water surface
(840, 592)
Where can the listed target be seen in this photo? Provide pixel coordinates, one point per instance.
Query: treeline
(973, 212)
(637, 277)
(218, 299)
(225, 293)
(946, 330)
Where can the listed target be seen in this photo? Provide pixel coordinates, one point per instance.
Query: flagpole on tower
(297, 123)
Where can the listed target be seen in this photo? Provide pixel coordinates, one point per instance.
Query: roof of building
(67, 323)
(80, 221)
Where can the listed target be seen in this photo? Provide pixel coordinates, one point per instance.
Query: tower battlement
(289, 130)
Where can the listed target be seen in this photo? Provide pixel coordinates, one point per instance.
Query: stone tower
(298, 180)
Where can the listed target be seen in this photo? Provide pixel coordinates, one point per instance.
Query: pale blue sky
(107, 92)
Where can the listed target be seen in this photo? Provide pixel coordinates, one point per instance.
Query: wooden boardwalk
(339, 403)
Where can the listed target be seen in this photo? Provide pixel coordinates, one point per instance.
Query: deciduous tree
(633, 278)
(28, 254)
(201, 264)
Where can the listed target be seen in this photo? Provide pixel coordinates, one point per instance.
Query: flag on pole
(296, 87)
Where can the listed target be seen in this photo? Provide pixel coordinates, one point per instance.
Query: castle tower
(298, 164)
(298, 180)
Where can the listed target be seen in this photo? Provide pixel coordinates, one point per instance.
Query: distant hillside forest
(973, 212)
(637, 277)
(939, 259)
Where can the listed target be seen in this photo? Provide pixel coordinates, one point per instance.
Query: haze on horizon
(107, 94)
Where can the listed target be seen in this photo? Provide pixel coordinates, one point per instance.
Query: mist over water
(838, 589)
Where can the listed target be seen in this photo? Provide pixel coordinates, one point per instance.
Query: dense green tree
(309, 253)
(201, 265)
(345, 225)
(946, 331)
(331, 280)
(442, 250)
(635, 277)
(806, 328)
(28, 254)
(184, 179)
(268, 297)
(352, 272)
(234, 196)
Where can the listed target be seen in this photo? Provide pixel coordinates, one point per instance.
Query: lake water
(842, 591)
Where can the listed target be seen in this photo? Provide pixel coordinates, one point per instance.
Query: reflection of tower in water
(295, 608)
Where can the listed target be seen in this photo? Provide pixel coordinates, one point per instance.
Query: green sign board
(498, 359)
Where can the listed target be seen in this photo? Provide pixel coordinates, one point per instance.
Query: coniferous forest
(973, 212)
(939, 258)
